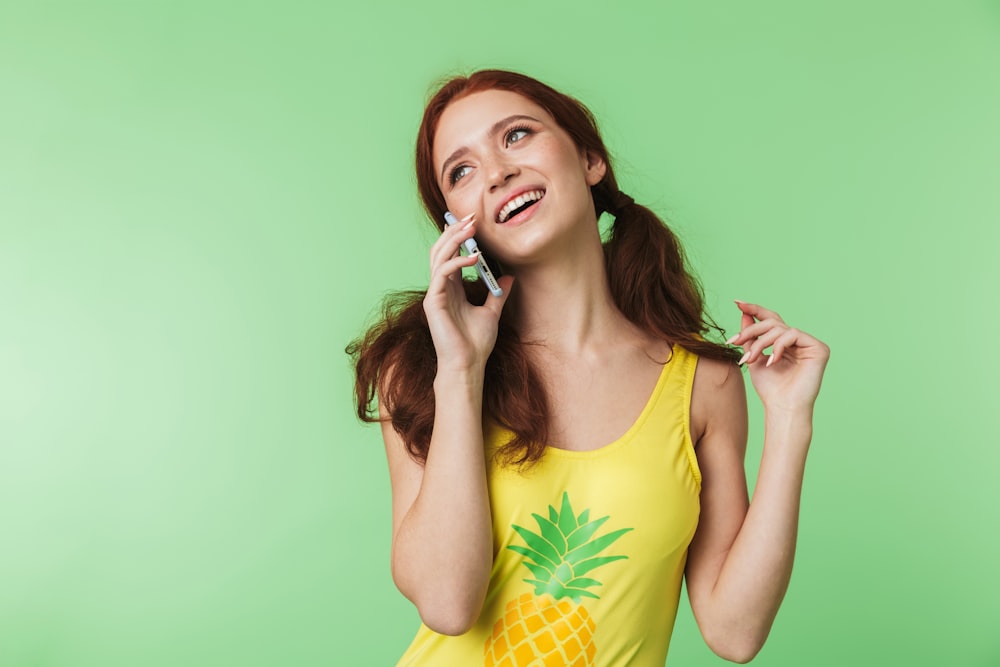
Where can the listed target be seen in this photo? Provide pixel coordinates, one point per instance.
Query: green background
(202, 202)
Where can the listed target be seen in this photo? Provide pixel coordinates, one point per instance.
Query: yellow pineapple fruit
(551, 628)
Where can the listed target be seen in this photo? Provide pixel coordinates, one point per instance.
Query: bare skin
(740, 560)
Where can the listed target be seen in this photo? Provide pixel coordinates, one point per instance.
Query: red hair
(646, 273)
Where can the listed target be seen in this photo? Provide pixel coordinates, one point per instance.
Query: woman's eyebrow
(496, 127)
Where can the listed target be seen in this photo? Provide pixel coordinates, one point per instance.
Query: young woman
(563, 454)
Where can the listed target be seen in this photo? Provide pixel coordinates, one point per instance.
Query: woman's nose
(500, 171)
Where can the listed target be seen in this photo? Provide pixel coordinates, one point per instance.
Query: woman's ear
(595, 167)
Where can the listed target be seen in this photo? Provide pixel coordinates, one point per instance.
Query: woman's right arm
(442, 542)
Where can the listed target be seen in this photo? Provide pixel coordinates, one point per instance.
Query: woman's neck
(566, 304)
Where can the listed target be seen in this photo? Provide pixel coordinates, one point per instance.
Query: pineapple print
(551, 627)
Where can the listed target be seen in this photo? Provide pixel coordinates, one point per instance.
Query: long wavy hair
(646, 271)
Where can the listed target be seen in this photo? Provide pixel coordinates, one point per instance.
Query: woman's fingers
(446, 247)
(450, 242)
(753, 351)
(496, 304)
(783, 341)
(806, 346)
(756, 336)
(798, 359)
(452, 267)
(753, 330)
(757, 311)
(770, 332)
(444, 292)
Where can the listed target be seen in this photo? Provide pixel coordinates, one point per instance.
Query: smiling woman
(564, 455)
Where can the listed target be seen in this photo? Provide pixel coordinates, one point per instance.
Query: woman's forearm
(443, 550)
(754, 578)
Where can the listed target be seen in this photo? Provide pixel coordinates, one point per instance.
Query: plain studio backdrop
(202, 203)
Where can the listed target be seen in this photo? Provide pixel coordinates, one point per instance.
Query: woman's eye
(457, 173)
(517, 134)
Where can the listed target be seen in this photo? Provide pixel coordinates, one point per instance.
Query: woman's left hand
(788, 379)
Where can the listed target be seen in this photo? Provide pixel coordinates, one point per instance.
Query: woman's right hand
(464, 334)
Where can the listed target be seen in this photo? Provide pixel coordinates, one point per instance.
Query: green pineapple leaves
(563, 550)
(567, 519)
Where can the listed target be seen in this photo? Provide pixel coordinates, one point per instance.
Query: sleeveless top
(589, 547)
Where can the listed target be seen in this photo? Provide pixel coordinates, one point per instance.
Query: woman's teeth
(518, 202)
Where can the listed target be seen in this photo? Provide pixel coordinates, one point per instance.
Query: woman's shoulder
(717, 384)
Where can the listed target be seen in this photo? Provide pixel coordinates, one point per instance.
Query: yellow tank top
(589, 547)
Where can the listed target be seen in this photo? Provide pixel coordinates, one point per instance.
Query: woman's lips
(524, 215)
(517, 200)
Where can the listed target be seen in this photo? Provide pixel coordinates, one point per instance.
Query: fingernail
(738, 301)
(746, 355)
(732, 340)
(769, 360)
(468, 225)
(468, 217)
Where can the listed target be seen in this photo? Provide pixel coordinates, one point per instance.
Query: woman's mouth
(519, 204)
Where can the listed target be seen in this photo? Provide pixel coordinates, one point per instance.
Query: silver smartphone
(481, 266)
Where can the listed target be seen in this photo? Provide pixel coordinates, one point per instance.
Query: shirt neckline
(625, 437)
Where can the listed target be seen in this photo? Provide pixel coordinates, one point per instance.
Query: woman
(563, 454)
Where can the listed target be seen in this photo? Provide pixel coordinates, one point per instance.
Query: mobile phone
(481, 266)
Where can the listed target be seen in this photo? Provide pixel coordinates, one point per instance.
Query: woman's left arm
(740, 560)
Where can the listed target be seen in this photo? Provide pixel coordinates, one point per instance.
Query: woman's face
(502, 157)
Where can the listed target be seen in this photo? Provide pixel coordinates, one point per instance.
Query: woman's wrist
(789, 413)
(453, 380)
(788, 430)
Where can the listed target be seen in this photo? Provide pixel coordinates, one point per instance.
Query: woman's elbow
(445, 612)
(740, 658)
(446, 624)
(454, 618)
(740, 652)
(739, 645)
